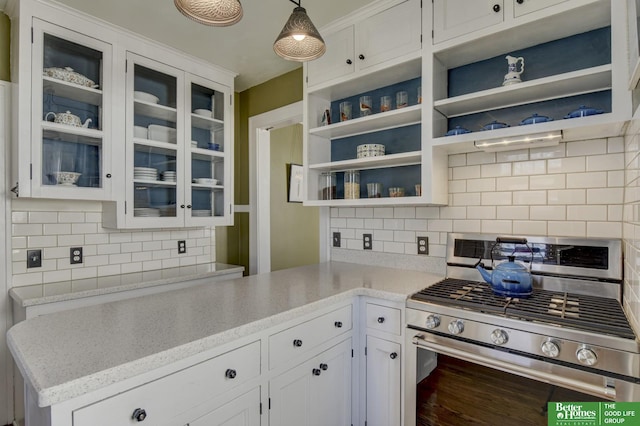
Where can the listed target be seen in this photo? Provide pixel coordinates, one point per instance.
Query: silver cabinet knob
(139, 414)
(550, 349)
(586, 355)
(456, 327)
(433, 321)
(499, 337)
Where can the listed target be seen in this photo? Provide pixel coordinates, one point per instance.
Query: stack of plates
(169, 176)
(146, 212)
(201, 213)
(145, 173)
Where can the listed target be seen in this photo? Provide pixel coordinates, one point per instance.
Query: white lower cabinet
(316, 392)
(383, 360)
(242, 411)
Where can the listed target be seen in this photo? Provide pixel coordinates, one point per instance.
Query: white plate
(206, 181)
(203, 112)
(162, 133)
(140, 132)
(146, 169)
(145, 97)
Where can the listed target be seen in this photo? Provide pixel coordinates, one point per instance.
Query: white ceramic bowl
(203, 112)
(206, 181)
(145, 97)
(66, 178)
(370, 150)
(140, 132)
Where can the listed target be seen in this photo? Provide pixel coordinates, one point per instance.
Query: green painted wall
(5, 49)
(232, 243)
(294, 228)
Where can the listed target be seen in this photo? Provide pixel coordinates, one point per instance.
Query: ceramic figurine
(513, 76)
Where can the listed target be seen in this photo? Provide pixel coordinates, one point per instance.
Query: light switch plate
(34, 258)
(336, 239)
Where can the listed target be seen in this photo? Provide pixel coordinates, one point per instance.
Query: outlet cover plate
(367, 241)
(34, 258)
(423, 245)
(75, 255)
(182, 246)
(336, 239)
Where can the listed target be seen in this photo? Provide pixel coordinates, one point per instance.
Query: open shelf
(72, 91)
(200, 186)
(371, 123)
(158, 111)
(558, 86)
(206, 154)
(154, 183)
(368, 202)
(383, 161)
(155, 147)
(74, 134)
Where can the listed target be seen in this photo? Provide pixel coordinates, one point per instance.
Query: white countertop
(67, 354)
(40, 294)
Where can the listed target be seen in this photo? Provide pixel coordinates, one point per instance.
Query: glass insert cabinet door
(208, 160)
(71, 125)
(155, 144)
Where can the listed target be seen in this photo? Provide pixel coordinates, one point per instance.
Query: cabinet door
(242, 411)
(154, 144)
(453, 18)
(317, 392)
(389, 34)
(338, 61)
(70, 131)
(210, 154)
(522, 7)
(383, 382)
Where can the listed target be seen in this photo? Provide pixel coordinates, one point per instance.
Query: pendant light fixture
(299, 40)
(218, 13)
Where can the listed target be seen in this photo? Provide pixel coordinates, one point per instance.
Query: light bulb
(298, 37)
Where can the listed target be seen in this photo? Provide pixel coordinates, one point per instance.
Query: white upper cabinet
(97, 120)
(522, 7)
(389, 33)
(453, 18)
(64, 150)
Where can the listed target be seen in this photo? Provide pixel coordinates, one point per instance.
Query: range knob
(456, 326)
(499, 337)
(586, 355)
(550, 349)
(433, 321)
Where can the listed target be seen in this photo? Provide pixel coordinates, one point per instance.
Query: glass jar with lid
(327, 186)
(351, 184)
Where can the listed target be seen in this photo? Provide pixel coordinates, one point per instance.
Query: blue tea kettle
(509, 278)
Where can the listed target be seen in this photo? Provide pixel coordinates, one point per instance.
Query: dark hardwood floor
(460, 393)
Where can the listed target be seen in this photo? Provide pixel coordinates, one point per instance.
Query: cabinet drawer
(383, 318)
(299, 339)
(169, 396)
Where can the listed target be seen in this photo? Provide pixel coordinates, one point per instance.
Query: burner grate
(588, 313)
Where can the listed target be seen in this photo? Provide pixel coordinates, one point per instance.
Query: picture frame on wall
(295, 181)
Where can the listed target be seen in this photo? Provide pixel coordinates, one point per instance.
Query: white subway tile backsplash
(374, 223)
(346, 212)
(615, 145)
(19, 217)
(615, 178)
(548, 212)
(495, 170)
(497, 226)
(587, 212)
(467, 199)
(364, 213)
(587, 180)
(80, 273)
(516, 183)
(355, 223)
(566, 196)
(21, 242)
(453, 212)
(605, 162)
(393, 247)
(566, 165)
(416, 224)
(404, 212)
(73, 217)
(589, 147)
(496, 199)
(530, 227)
(512, 156)
(481, 212)
(19, 229)
(56, 276)
(43, 217)
(440, 225)
(457, 186)
(512, 212)
(614, 213)
(457, 160)
(557, 151)
(604, 229)
(394, 224)
(468, 225)
(556, 181)
(475, 158)
(383, 235)
(38, 241)
(530, 198)
(466, 172)
(567, 228)
(536, 167)
(404, 236)
(117, 238)
(605, 196)
(57, 229)
(338, 222)
(480, 185)
(383, 212)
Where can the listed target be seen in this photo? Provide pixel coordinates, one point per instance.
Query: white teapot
(513, 76)
(67, 119)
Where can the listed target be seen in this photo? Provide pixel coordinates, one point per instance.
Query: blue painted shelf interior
(205, 98)
(203, 198)
(399, 140)
(409, 86)
(150, 195)
(158, 84)
(581, 51)
(60, 155)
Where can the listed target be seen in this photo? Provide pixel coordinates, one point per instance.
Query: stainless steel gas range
(571, 332)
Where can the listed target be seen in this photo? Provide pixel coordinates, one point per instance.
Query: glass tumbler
(402, 99)
(327, 186)
(351, 184)
(345, 111)
(365, 105)
(385, 103)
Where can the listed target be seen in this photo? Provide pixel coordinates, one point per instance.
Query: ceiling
(245, 48)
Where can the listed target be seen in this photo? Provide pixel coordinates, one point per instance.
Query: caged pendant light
(299, 40)
(218, 13)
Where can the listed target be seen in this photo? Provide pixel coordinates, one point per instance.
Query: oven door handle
(532, 373)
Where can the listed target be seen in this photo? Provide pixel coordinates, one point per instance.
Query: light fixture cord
(297, 3)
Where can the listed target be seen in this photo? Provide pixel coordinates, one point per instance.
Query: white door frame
(259, 186)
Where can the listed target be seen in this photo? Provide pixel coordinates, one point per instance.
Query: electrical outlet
(75, 255)
(367, 241)
(182, 246)
(423, 245)
(336, 239)
(34, 258)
